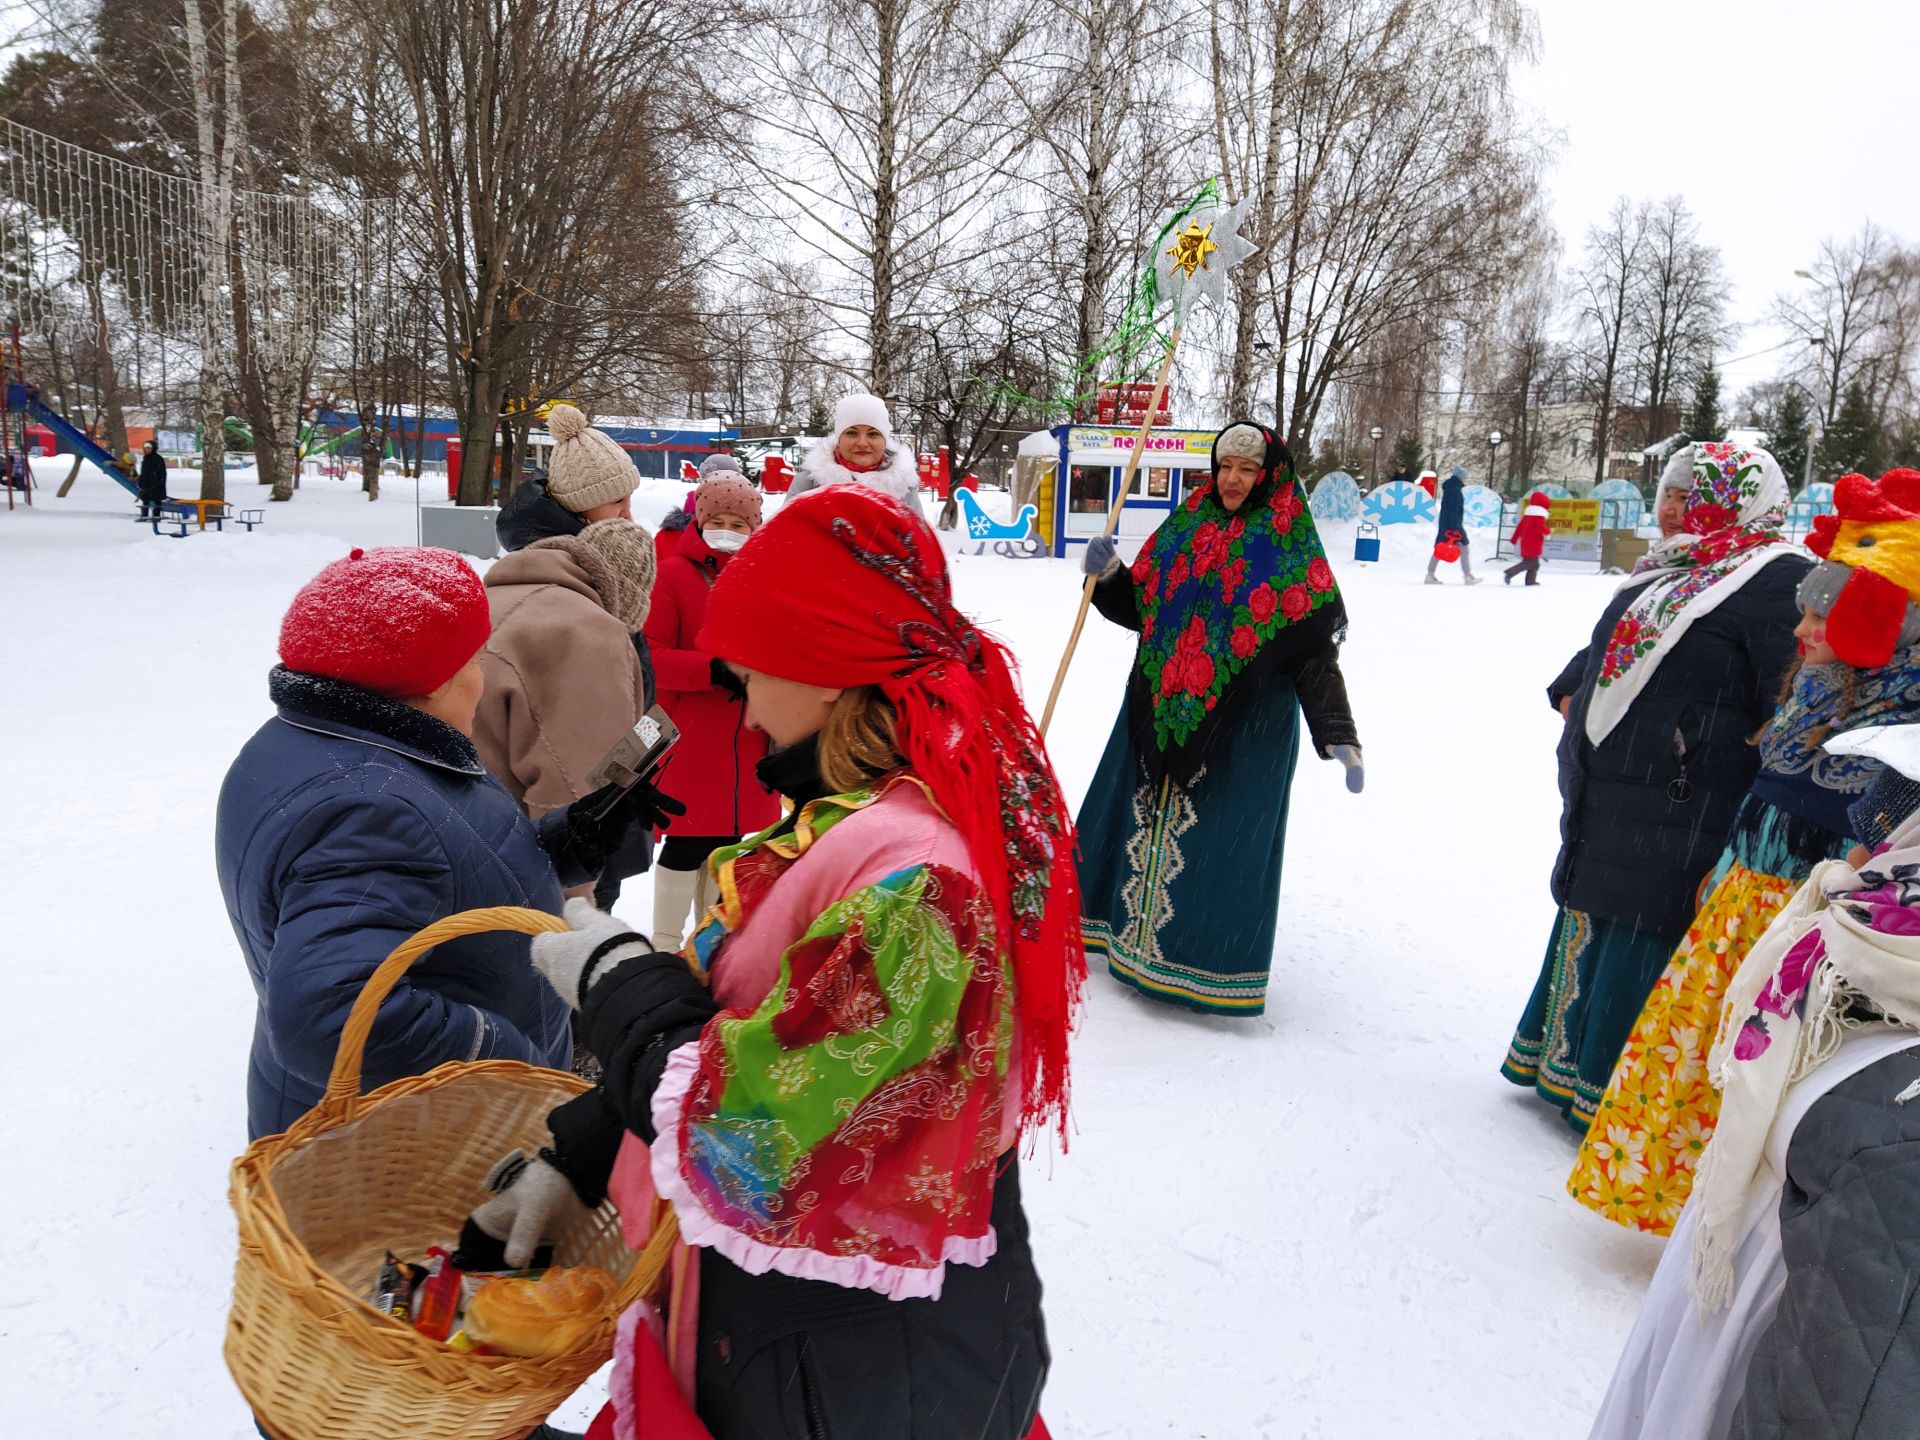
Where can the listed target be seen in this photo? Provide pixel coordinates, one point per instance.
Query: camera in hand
(639, 756)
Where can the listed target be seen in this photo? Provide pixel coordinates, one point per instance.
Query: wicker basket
(399, 1169)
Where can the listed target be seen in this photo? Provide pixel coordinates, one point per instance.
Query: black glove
(724, 678)
(579, 838)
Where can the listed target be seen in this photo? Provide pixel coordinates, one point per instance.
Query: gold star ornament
(1191, 248)
(1194, 266)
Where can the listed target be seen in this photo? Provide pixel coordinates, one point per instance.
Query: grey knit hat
(718, 464)
(589, 468)
(1821, 588)
(626, 549)
(1241, 442)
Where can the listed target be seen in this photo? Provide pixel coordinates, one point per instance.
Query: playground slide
(27, 398)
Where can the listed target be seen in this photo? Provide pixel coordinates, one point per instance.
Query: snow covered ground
(1336, 1220)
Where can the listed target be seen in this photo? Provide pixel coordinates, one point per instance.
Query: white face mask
(725, 541)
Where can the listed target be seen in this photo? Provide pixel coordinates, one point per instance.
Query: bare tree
(531, 143)
(877, 171)
(1113, 151)
(1380, 199)
(1680, 309)
(216, 108)
(1605, 290)
(1838, 318)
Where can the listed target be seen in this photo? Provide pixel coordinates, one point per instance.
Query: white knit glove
(562, 957)
(536, 1202)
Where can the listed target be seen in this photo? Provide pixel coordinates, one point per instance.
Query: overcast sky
(1779, 122)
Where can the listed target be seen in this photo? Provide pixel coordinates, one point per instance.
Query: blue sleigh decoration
(1015, 541)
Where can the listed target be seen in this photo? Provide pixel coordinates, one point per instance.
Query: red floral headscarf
(846, 587)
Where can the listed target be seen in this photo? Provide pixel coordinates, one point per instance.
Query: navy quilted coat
(347, 823)
(1634, 847)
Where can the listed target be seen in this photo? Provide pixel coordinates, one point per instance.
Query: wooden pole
(1113, 520)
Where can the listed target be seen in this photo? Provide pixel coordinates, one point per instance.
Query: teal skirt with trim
(1180, 884)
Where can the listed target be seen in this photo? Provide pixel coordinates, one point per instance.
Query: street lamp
(1374, 479)
(1493, 446)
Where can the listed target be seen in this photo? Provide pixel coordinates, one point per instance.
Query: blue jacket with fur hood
(347, 823)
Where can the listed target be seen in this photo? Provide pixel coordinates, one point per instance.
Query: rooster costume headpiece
(1869, 581)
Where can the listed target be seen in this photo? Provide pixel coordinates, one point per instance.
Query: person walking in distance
(1530, 538)
(1451, 533)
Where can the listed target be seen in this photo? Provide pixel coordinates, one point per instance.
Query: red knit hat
(399, 621)
(847, 587)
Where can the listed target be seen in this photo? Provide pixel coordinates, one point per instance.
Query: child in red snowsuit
(1530, 538)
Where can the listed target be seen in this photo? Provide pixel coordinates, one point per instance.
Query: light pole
(1493, 446)
(1374, 478)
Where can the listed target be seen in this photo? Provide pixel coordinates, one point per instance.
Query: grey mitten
(534, 1202)
(597, 942)
(1102, 557)
(1349, 756)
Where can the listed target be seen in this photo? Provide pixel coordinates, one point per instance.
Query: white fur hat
(861, 410)
(1679, 472)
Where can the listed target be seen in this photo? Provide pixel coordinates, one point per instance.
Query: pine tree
(1406, 451)
(1903, 448)
(1703, 421)
(1854, 439)
(1786, 431)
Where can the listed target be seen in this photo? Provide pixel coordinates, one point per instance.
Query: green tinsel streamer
(1139, 341)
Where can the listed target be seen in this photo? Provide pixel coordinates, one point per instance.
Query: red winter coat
(711, 769)
(1530, 535)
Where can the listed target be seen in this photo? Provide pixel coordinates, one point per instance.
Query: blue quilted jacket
(347, 823)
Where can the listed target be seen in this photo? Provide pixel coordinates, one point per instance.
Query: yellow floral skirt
(1636, 1164)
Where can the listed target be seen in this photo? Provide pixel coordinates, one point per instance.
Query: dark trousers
(788, 1359)
(1530, 564)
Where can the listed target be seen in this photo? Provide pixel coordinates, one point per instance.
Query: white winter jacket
(898, 477)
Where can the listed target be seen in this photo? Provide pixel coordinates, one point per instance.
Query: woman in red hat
(829, 1086)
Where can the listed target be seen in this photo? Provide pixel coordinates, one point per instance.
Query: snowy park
(1335, 1220)
(984, 720)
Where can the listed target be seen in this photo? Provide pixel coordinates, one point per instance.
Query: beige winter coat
(563, 681)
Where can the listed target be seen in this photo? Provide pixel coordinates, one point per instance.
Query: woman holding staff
(1185, 825)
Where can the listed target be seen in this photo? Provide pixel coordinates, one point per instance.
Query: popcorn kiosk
(1074, 473)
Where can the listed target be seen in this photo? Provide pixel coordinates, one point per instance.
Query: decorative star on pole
(1195, 265)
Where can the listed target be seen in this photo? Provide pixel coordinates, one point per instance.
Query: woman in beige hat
(589, 478)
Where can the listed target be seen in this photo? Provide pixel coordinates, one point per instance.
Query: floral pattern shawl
(1215, 590)
(1849, 936)
(1735, 512)
(1888, 695)
(846, 1127)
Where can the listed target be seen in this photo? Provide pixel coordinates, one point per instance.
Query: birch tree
(1381, 198)
(874, 165)
(216, 109)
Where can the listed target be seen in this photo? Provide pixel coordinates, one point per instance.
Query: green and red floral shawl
(1218, 592)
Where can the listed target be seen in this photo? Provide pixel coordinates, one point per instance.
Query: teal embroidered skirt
(1594, 979)
(1180, 884)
